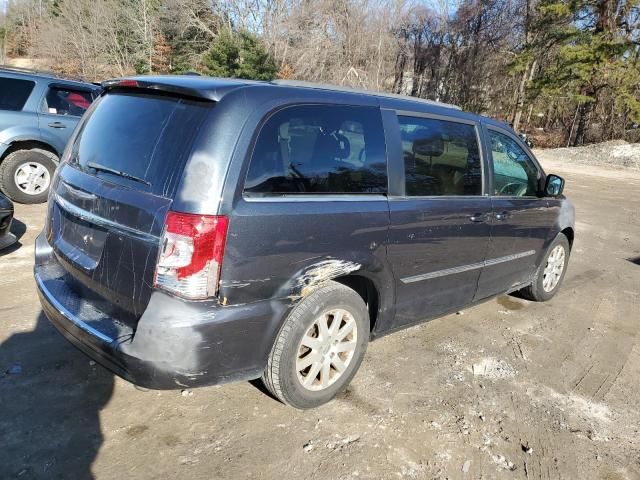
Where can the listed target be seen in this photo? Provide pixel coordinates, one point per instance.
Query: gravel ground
(506, 390)
(616, 153)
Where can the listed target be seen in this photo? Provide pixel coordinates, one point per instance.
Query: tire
(41, 162)
(539, 291)
(325, 304)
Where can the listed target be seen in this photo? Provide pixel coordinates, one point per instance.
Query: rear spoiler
(159, 86)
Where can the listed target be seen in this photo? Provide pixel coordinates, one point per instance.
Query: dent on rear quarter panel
(304, 281)
(314, 275)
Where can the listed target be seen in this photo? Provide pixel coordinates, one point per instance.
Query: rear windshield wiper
(101, 168)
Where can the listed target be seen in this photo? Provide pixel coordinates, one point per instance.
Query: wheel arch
(17, 145)
(569, 233)
(366, 288)
(369, 277)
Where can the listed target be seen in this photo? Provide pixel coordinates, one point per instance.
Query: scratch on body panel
(321, 272)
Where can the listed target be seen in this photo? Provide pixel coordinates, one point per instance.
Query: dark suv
(202, 231)
(38, 112)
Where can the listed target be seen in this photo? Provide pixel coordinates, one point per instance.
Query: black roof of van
(214, 89)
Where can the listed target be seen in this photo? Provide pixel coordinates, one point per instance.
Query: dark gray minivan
(202, 230)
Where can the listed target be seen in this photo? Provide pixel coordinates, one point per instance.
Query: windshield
(139, 140)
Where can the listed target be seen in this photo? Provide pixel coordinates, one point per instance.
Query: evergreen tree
(239, 55)
(590, 54)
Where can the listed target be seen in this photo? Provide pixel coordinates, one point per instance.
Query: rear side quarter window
(14, 93)
(319, 149)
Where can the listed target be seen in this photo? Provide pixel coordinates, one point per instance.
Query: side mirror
(553, 186)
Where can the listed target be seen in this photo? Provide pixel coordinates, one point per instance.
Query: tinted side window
(14, 93)
(319, 149)
(67, 102)
(440, 157)
(514, 173)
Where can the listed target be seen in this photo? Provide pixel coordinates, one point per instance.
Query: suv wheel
(319, 347)
(25, 175)
(547, 279)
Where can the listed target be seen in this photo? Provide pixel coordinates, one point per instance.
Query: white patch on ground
(580, 406)
(503, 462)
(493, 368)
(616, 153)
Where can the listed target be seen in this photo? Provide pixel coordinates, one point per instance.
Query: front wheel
(547, 279)
(319, 347)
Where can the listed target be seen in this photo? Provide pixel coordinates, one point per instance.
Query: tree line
(566, 71)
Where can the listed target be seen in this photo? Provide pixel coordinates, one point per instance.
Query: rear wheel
(319, 347)
(550, 273)
(25, 175)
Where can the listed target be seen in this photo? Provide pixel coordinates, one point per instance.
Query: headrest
(429, 147)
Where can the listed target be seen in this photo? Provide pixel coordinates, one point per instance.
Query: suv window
(514, 173)
(319, 149)
(62, 101)
(440, 157)
(153, 158)
(14, 93)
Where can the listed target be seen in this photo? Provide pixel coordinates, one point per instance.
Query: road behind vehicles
(268, 230)
(38, 113)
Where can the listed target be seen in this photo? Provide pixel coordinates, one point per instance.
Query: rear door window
(14, 93)
(64, 101)
(139, 140)
(440, 157)
(319, 149)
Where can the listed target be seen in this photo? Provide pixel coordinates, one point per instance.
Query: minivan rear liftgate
(107, 211)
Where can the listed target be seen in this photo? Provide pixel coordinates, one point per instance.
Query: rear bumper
(176, 344)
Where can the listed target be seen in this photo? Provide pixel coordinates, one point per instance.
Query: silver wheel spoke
(335, 324)
(311, 342)
(313, 373)
(309, 359)
(346, 347)
(338, 364)
(325, 374)
(346, 330)
(323, 328)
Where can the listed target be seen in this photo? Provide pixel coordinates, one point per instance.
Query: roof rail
(336, 88)
(33, 71)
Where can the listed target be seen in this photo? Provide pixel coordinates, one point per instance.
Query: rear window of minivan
(139, 140)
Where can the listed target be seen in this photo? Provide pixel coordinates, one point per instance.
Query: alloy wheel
(553, 270)
(326, 349)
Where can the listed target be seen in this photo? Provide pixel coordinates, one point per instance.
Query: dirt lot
(509, 389)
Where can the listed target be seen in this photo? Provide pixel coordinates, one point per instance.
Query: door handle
(57, 125)
(478, 217)
(502, 215)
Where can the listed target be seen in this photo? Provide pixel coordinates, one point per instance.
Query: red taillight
(191, 254)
